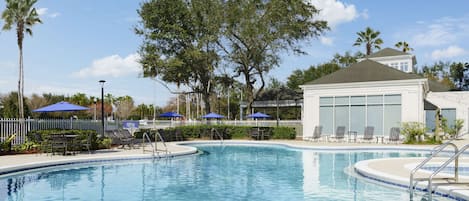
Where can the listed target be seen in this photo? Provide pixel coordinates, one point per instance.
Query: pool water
(218, 173)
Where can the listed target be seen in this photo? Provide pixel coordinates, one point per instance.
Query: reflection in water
(228, 173)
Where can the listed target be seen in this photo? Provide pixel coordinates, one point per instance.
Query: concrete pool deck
(394, 171)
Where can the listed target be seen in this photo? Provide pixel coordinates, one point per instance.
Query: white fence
(21, 128)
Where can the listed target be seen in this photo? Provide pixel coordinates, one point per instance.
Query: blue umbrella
(213, 115)
(258, 115)
(61, 107)
(170, 115)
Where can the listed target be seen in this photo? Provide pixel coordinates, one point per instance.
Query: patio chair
(178, 135)
(122, 139)
(316, 134)
(339, 133)
(368, 134)
(254, 133)
(42, 145)
(394, 135)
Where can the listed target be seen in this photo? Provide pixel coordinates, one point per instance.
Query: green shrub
(414, 132)
(82, 135)
(283, 133)
(233, 132)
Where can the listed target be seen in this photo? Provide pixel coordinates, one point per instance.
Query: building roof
(437, 87)
(387, 52)
(364, 71)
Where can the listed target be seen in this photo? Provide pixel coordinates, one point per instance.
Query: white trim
(365, 84)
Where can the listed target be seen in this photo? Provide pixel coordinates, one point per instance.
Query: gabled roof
(387, 52)
(364, 71)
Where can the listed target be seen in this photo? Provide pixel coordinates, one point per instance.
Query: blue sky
(83, 41)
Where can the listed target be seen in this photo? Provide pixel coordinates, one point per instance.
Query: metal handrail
(435, 151)
(219, 135)
(454, 158)
(146, 137)
(158, 135)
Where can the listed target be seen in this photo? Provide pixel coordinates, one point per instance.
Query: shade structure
(258, 115)
(61, 107)
(212, 115)
(170, 115)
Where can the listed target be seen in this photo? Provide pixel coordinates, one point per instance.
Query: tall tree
(125, 106)
(347, 59)
(256, 32)
(404, 46)
(459, 75)
(22, 15)
(370, 38)
(180, 42)
(299, 77)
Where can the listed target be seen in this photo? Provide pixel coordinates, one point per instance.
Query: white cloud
(54, 15)
(44, 12)
(336, 12)
(327, 40)
(451, 51)
(41, 11)
(443, 31)
(113, 65)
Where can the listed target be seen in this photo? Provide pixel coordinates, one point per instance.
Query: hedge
(233, 132)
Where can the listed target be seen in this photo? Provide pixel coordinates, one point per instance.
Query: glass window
(404, 66)
(357, 119)
(341, 117)
(392, 99)
(326, 119)
(392, 117)
(375, 118)
(430, 120)
(357, 100)
(342, 100)
(375, 100)
(450, 115)
(326, 100)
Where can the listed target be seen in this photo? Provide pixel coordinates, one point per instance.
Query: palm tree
(23, 15)
(404, 45)
(370, 38)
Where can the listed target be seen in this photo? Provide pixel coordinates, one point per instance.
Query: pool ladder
(450, 180)
(215, 131)
(154, 148)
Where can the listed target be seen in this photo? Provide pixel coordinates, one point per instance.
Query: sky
(83, 41)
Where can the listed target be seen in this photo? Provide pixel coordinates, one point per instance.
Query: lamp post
(94, 101)
(102, 106)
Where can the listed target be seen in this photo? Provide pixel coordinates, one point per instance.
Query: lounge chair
(394, 135)
(316, 134)
(368, 134)
(123, 139)
(339, 133)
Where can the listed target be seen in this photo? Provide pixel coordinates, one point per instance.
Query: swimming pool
(233, 172)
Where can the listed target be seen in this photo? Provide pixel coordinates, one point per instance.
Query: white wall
(412, 93)
(453, 99)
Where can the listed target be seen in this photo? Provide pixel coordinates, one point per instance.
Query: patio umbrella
(61, 107)
(212, 115)
(258, 115)
(170, 115)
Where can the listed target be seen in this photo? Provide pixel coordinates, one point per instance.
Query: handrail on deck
(145, 137)
(158, 136)
(454, 158)
(435, 151)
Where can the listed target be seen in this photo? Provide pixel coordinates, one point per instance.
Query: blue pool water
(219, 173)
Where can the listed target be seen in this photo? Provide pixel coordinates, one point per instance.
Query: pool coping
(361, 167)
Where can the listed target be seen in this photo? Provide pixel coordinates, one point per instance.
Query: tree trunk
(206, 97)
(21, 84)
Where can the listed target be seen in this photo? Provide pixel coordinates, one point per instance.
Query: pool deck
(394, 171)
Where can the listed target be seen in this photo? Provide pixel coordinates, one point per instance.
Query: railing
(158, 136)
(175, 123)
(22, 127)
(435, 151)
(145, 137)
(220, 136)
(454, 158)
